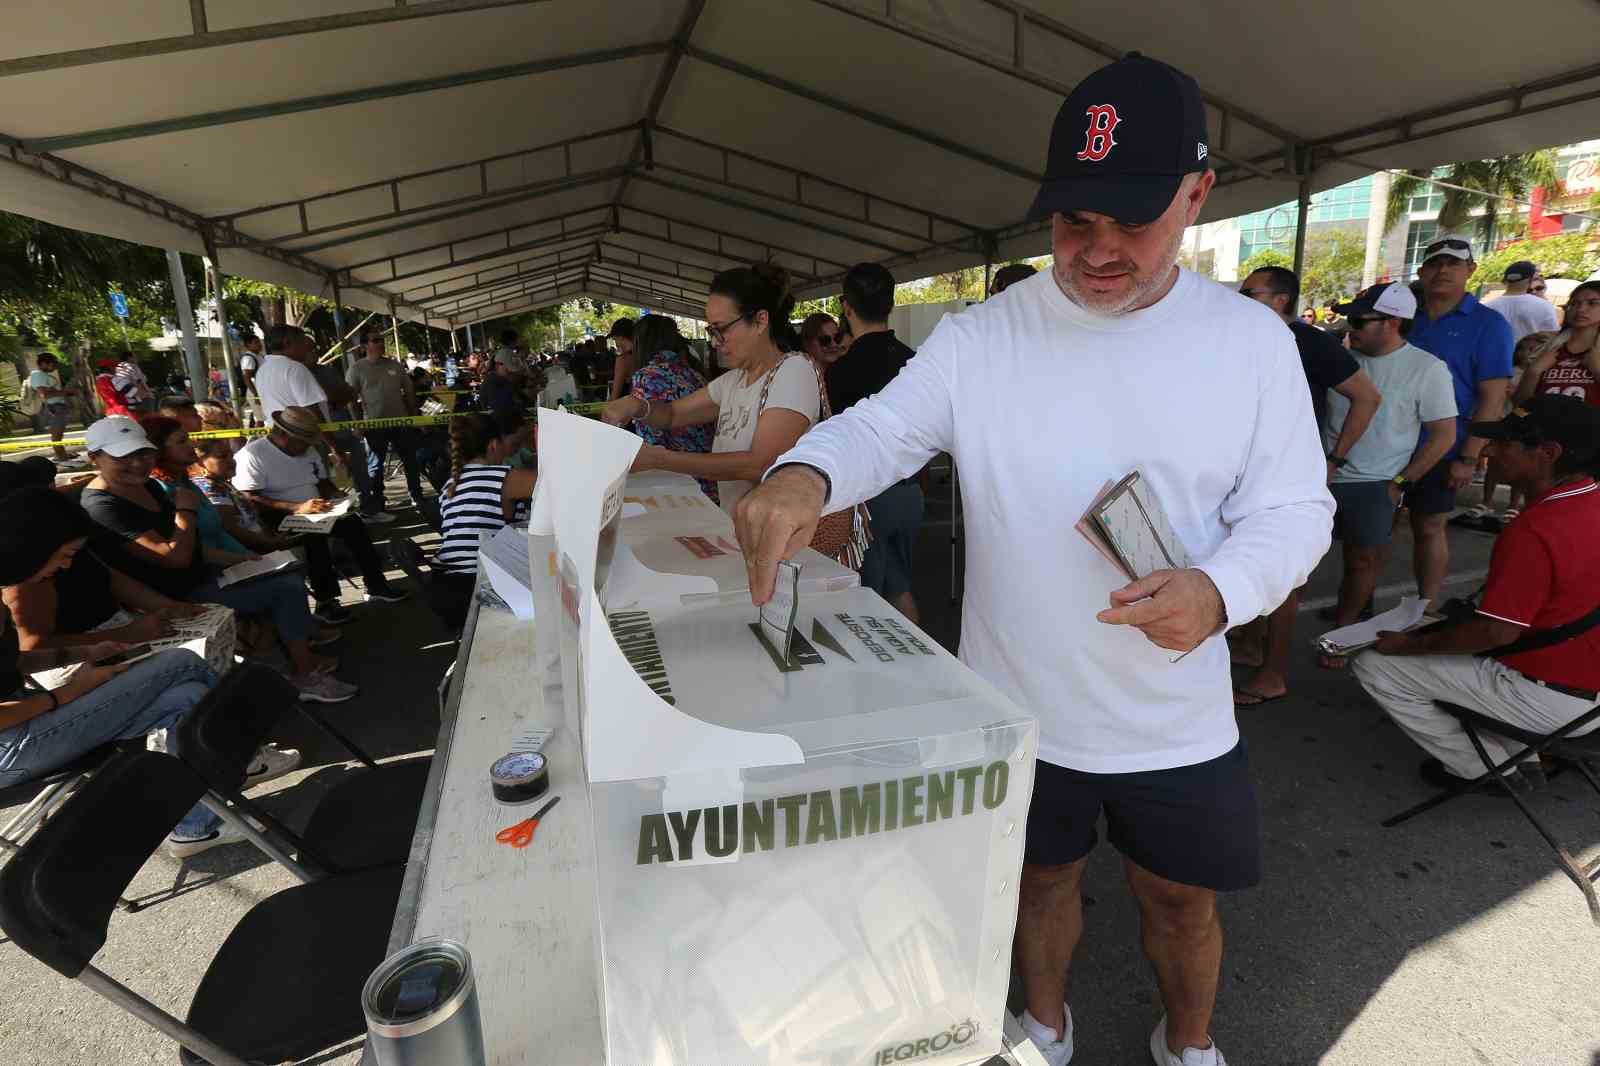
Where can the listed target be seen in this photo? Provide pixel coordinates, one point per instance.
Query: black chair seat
(369, 818)
(286, 983)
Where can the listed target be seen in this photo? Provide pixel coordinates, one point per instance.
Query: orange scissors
(521, 834)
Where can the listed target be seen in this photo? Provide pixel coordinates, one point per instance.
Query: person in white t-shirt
(1122, 361)
(283, 379)
(760, 408)
(1527, 311)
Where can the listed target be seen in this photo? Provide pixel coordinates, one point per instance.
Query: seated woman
(212, 474)
(481, 497)
(160, 545)
(760, 408)
(41, 531)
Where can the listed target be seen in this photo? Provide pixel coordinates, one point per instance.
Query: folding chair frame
(1582, 874)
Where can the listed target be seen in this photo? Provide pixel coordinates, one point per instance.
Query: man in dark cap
(1530, 656)
(1128, 363)
(1527, 312)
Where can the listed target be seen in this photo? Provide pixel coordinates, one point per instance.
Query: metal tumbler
(422, 1007)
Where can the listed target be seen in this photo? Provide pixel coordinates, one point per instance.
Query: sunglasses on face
(1537, 288)
(1452, 245)
(829, 340)
(1256, 293)
(1361, 321)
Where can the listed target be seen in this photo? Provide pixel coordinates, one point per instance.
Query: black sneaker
(331, 613)
(386, 594)
(1434, 773)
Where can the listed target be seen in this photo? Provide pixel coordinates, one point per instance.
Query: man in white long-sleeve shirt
(1116, 360)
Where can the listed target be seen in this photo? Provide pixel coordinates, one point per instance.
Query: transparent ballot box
(808, 821)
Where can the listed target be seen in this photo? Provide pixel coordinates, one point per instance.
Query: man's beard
(1145, 285)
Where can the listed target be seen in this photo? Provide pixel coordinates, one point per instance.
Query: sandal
(1253, 698)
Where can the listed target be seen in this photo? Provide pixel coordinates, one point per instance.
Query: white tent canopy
(459, 160)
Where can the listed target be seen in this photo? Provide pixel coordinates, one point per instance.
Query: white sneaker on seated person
(1192, 1056)
(1055, 1052)
(222, 834)
(324, 688)
(269, 762)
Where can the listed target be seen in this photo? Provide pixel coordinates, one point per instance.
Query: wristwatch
(1401, 481)
(1338, 461)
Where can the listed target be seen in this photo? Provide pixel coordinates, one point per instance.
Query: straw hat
(302, 423)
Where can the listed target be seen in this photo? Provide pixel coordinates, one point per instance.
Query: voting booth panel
(803, 855)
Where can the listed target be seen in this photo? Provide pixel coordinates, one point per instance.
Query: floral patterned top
(668, 376)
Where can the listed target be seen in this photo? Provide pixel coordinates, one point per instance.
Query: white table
(526, 916)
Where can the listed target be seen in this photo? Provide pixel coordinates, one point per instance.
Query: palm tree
(1509, 175)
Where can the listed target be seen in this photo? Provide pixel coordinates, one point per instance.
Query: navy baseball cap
(1123, 142)
(1565, 420)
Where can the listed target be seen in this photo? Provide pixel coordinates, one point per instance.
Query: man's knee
(1174, 911)
(1429, 527)
(1039, 880)
(1363, 557)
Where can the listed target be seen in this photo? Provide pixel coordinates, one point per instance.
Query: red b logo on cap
(1098, 139)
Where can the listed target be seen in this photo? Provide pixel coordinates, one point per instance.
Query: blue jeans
(404, 441)
(280, 597)
(153, 694)
(356, 448)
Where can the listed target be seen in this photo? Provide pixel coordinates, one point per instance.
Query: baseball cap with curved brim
(117, 436)
(1565, 420)
(1456, 245)
(301, 423)
(1123, 142)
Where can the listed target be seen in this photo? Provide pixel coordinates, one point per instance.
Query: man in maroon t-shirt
(1545, 573)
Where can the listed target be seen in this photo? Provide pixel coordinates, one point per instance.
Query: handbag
(842, 536)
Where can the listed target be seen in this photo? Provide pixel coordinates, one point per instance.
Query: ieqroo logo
(955, 1036)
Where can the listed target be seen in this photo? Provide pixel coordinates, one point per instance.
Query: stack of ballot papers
(210, 635)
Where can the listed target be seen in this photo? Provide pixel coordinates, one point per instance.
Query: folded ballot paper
(805, 854)
(1127, 524)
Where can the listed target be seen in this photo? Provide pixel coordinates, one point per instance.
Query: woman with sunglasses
(1570, 362)
(823, 339)
(767, 401)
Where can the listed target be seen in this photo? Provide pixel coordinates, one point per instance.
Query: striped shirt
(470, 512)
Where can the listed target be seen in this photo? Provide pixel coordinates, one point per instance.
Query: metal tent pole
(1300, 226)
(338, 320)
(199, 383)
(215, 276)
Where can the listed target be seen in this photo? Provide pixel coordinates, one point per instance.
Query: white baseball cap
(1391, 298)
(116, 436)
(1456, 244)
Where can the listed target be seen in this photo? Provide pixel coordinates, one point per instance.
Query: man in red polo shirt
(1545, 573)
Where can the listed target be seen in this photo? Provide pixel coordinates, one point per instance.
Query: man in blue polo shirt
(1475, 343)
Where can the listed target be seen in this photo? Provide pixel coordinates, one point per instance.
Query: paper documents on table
(316, 523)
(1127, 524)
(505, 561)
(270, 563)
(1412, 612)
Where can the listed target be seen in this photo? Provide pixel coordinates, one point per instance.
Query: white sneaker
(1055, 1052)
(324, 688)
(1192, 1056)
(270, 761)
(223, 834)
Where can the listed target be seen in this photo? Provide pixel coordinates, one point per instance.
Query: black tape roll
(519, 777)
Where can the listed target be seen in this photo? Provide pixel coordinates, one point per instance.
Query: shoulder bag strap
(1539, 639)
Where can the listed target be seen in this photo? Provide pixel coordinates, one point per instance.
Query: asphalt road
(1450, 941)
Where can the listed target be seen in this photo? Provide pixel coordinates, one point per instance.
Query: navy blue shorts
(1196, 825)
(895, 520)
(1365, 518)
(1431, 493)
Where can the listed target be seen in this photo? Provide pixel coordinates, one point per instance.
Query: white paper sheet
(316, 523)
(270, 563)
(1353, 638)
(505, 560)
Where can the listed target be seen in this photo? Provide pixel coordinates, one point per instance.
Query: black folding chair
(286, 983)
(366, 820)
(1561, 745)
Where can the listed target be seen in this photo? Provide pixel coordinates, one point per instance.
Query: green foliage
(1334, 259)
(1570, 255)
(1508, 175)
